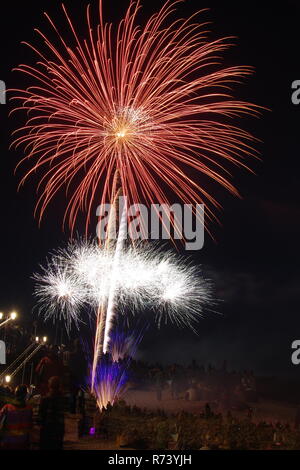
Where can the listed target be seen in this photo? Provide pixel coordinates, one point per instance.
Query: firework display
(141, 112)
(151, 102)
(150, 174)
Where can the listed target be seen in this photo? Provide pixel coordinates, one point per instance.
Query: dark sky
(255, 260)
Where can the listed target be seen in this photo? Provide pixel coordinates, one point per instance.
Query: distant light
(37, 339)
(1, 315)
(7, 379)
(45, 339)
(121, 134)
(170, 294)
(13, 315)
(92, 431)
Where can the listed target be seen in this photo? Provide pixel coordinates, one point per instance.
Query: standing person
(49, 366)
(51, 416)
(16, 422)
(175, 378)
(159, 384)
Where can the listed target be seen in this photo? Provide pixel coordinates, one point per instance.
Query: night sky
(255, 259)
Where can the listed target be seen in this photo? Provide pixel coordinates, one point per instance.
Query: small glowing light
(170, 294)
(92, 431)
(13, 315)
(45, 339)
(63, 290)
(121, 134)
(37, 339)
(7, 379)
(1, 315)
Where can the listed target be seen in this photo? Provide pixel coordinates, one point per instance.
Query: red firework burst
(152, 103)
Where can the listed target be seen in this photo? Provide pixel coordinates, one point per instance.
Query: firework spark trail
(152, 103)
(122, 235)
(123, 344)
(105, 311)
(110, 381)
(111, 375)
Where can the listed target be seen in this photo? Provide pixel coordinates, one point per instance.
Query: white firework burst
(146, 278)
(59, 293)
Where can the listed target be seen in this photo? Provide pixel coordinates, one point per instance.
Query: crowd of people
(58, 387)
(17, 417)
(205, 430)
(59, 375)
(231, 389)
